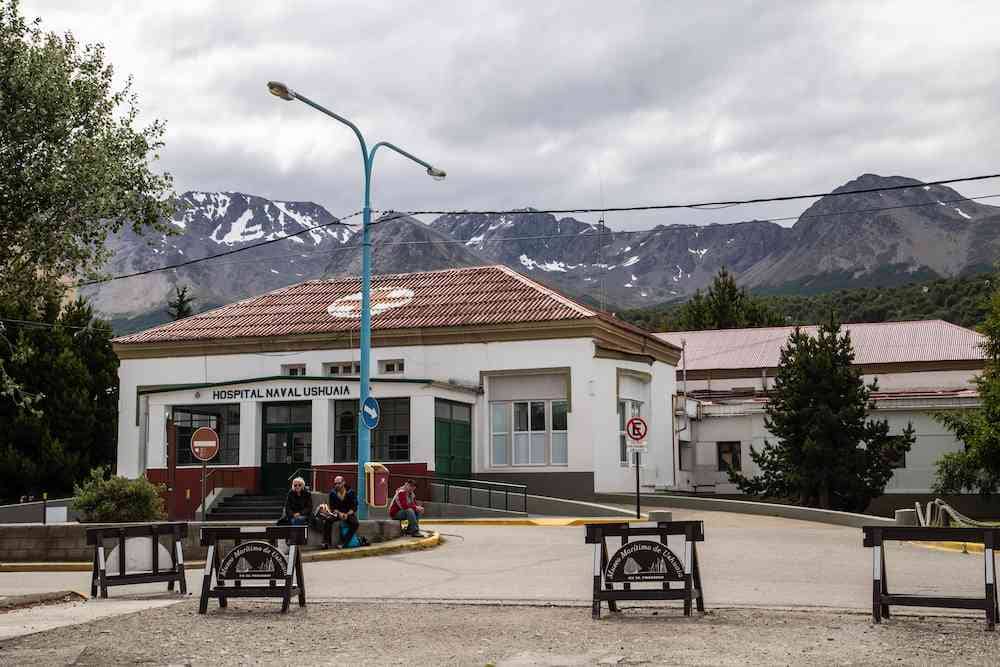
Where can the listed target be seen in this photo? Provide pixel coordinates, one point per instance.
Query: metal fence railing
(475, 492)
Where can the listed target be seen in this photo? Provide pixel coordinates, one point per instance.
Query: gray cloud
(560, 104)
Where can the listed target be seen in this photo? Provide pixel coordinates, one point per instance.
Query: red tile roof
(482, 295)
(874, 343)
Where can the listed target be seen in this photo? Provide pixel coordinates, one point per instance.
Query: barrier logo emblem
(253, 560)
(644, 561)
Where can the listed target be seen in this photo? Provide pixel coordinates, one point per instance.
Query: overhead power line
(395, 215)
(717, 204)
(338, 222)
(596, 232)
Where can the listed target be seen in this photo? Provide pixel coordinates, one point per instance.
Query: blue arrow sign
(370, 413)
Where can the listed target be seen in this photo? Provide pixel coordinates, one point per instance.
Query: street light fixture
(279, 89)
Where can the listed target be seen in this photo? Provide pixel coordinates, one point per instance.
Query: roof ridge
(807, 326)
(345, 279)
(561, 298)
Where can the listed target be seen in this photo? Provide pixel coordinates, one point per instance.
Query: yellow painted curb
(379, 549)
(554, 522)
(954, 547)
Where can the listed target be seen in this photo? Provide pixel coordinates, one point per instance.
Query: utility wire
(716, 204)
(598, 230)
(338, 222)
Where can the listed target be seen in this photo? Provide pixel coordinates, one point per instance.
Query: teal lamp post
(367, 157)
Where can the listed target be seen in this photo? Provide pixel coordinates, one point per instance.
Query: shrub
(104, 498)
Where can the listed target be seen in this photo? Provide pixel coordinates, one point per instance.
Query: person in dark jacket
(298, 504)
(342, 506)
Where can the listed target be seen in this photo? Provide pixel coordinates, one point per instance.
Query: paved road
(746, 560)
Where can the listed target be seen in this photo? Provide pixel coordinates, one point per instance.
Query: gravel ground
(387, 633)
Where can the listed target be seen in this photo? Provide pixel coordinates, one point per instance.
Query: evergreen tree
(66, 367)
(180, 306)
(977, 467)
(725, 306)
(828, 453)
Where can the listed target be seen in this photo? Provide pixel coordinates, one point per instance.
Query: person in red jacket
(404, 507)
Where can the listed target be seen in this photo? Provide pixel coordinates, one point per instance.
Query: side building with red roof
(480, 373)
(922, 367)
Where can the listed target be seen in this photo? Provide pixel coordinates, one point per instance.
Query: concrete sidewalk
(30, 620)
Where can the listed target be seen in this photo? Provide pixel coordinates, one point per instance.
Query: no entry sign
(205, 444)
(636, 429)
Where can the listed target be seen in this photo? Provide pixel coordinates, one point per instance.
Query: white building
(480, 373)
(922, 367)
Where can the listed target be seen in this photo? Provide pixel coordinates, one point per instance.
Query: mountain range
(870, 239)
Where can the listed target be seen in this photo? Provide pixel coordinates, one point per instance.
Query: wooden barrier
(253, 557)
(882, 599)
(645, 561)
(153, 532)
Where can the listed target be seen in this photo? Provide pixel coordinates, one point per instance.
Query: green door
(286, 443)
(452, 438)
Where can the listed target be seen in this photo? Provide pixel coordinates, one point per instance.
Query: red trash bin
(377, 491)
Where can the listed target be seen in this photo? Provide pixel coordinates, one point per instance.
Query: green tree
(74, 167)
(74, 164)
(62, 360)
(828, 453)
(725, 306)
(179, 307)
(977, 467)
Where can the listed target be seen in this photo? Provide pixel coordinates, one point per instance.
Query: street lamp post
(367, 157)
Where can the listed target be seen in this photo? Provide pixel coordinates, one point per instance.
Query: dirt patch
(13, 602)
(392, 632)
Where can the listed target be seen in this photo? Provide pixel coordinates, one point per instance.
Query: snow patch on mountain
(240, 231)
(550, 266)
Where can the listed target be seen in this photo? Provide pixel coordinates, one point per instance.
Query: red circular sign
(205, 444)
(636, 429)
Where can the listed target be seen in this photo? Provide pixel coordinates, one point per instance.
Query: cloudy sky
(560, 104)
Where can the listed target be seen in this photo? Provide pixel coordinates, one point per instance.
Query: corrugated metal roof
(482, 295)
(874, 343)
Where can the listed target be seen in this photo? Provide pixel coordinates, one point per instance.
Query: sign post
(204, 447)
(636, 430)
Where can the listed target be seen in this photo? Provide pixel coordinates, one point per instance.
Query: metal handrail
(448, 482)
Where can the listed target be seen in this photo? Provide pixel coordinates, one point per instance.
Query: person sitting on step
(298, 504)
(342, 506)
(404, 507)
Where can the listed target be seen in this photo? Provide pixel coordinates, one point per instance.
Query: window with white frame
(389, 366)
(293, 369)
(343, 368)
(627, 408)
(529, 432)
(560, 433)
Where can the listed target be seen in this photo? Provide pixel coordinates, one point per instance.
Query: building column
(157, 444)
(250, 433)
(422, 430)
(322, 431)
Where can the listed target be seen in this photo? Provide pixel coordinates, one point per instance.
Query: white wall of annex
(932, 440)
